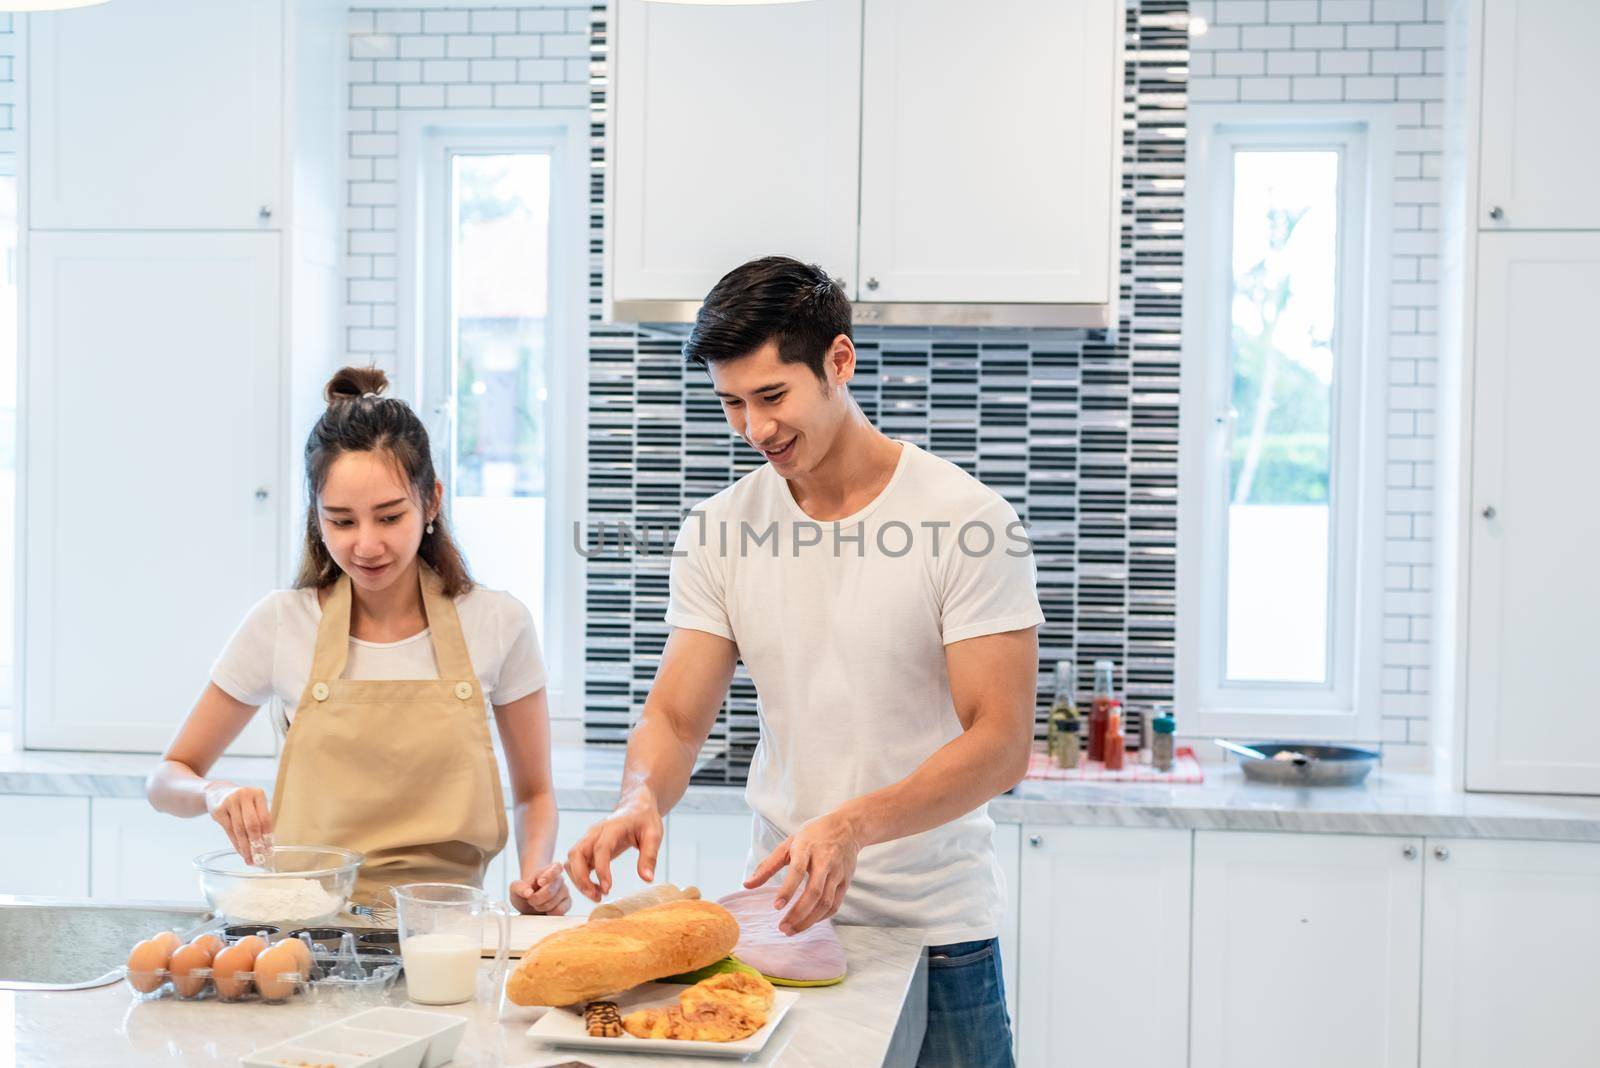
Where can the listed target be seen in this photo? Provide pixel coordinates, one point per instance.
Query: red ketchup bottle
(1100, 709)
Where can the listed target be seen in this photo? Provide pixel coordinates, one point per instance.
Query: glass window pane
(499, 296)
(1285, 225)
(8, 437)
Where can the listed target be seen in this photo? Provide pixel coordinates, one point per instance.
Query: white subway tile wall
(1392, 51)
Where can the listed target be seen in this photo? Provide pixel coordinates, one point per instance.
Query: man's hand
(636, 824)
(823, 854)
(544, 895)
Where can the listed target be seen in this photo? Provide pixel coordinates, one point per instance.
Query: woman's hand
(544, 895)
(242, 812)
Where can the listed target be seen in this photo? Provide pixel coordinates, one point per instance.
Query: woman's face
(371, 520)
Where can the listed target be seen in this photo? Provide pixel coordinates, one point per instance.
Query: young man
(884, 603)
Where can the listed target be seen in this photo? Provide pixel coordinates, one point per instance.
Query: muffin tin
(377, 1038)
(345, 961)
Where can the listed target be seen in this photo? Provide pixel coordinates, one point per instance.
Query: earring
(429, 528)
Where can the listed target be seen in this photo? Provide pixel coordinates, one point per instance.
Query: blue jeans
(968, 1026)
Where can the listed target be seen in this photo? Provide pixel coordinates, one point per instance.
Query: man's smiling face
(783, 410)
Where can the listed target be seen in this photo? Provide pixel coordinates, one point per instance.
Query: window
(1282, 423)
(494, 224)
(8, 445)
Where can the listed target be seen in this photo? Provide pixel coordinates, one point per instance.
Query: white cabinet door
(987, 173)
(160, 114)
(624, 871)
(1532, 672)
(1306, 950)
(736, 136)
(152, 441)
(1538, 57)
(1511, 936)
(46, 846)
(709, 851)
(139, 854)
(1105, 941)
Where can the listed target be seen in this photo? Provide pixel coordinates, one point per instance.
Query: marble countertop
(876, 1016)
(1389, 802)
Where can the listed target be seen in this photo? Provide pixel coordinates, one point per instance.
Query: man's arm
(688, 690)
(993, 679)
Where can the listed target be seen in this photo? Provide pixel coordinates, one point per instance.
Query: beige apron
(402, 771)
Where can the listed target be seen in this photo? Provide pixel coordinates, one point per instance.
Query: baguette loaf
(608, 956)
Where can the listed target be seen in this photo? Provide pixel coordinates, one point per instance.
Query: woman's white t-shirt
(269, 656)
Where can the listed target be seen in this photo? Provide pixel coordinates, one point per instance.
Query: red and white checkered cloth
(1185, 768)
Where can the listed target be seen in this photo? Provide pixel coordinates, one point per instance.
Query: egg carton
(364, 975)
(378, 1038)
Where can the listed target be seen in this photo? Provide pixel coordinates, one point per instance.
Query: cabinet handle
(1409, 852)
(1441, 853)
(265, 213)
(1496, 213)
(262, 493)
(872, 283)
(1035, 840)
(1489, 511)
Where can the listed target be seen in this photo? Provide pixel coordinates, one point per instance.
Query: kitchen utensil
(564, 1027)
(1317, 765)
(441, 938)
(227, 881)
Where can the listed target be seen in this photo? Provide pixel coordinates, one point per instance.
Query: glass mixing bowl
(305, 885)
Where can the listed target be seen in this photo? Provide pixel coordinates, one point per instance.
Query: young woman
(385, 656)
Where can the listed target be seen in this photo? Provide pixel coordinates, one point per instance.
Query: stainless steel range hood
(885, 313)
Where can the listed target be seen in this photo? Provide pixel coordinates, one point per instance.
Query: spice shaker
(1163, 729)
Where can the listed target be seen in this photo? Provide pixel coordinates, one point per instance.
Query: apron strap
(444, 626)
(333, 634)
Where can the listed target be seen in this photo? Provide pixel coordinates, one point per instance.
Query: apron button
(463, 690)
(320, 691)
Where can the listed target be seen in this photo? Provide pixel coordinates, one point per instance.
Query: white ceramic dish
(565, 1027)
(344, 1045)
(442, 1030)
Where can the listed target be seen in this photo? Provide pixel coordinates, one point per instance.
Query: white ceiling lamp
(45, 5)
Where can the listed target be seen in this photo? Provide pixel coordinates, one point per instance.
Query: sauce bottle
(1064, 719)
(1116, 740)
(1100, 708)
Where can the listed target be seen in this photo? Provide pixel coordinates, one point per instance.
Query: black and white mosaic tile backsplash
(1078, 429)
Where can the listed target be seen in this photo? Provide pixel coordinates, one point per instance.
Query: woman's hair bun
(352, 383)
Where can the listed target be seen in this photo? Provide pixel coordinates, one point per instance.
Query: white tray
(565, 1027)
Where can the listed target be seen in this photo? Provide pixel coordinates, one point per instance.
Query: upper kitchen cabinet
(952, 163)
(192, 138)
(1536, 161)
(152, 477)
(736, 136)
(989, 152)
(1531, 671)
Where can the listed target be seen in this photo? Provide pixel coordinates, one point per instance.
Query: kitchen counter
(876, 1016)
(1389, 802)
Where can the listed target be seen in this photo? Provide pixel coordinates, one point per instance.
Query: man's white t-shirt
(842, 626)
(270, 654)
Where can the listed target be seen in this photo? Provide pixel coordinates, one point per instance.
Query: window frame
(1346, 707)
(427, 142)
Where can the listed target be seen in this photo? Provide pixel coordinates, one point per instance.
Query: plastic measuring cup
(441, 940)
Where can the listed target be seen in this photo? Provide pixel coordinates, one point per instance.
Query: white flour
(277, 899)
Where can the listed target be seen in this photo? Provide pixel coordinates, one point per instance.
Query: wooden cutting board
(525, 931)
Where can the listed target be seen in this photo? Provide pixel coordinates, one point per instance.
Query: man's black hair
(776, 299)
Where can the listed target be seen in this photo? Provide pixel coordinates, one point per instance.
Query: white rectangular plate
(565, 1027)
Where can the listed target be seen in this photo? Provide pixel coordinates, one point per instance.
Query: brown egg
(302, 953)
(169, 939)
(213, 943)
(194, 955)
(146, 959)
(255, 942)
(226, 967)
(272, 967)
